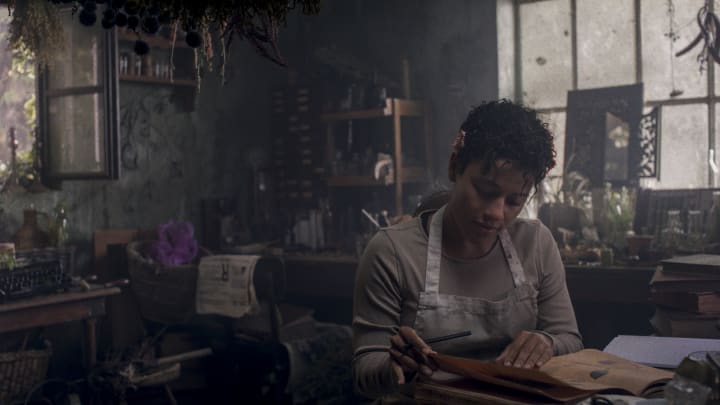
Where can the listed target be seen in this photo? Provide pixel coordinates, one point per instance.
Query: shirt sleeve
(556, 317)
(376, 316)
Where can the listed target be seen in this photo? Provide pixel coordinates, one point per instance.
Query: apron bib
(493, 324)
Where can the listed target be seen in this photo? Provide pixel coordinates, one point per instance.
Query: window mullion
(573, 45)
(711, 112)
(638, 43)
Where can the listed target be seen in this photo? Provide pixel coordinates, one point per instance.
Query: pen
(443, 338)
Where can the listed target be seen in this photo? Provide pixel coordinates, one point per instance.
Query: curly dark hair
(506, 130)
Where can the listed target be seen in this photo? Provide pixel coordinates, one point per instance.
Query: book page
(599, 368)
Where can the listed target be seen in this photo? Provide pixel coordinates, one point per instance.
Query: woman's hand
(410, 360)
(529, 349)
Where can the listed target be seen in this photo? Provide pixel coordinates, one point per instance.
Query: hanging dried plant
(36, 31)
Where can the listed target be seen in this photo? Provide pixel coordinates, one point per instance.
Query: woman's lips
(485, 227)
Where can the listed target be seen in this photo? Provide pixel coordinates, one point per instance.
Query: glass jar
(684, 391)
(672, 231)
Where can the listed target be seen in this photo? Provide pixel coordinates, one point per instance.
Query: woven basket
(20, 372)
(165, 294)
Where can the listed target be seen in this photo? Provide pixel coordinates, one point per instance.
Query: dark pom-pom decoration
(133, 21)
(87, 18)
(107, 24)
(121, 19)
(90, 6)
(193, 39)
(141, 47)
(150, 25)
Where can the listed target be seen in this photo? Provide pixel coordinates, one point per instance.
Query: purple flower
(176, 244)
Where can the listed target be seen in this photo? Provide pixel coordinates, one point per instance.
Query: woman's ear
(452, 167)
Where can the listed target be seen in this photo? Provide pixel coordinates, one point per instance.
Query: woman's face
(482, 203)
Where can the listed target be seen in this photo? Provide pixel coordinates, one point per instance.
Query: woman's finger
(398, 372)
(411, 337)
(530, 353)
(398, 343)
(419, 349)
(508, 356)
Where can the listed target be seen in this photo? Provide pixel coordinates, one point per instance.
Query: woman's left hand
(528, 350)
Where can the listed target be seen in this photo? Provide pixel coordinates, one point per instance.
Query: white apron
(493, 323)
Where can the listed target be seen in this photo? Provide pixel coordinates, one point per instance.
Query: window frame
(109, 91)
(710, 99)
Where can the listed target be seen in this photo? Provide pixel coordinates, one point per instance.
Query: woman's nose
(495, 210)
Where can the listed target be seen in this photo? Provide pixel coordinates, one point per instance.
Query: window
(581, 44)
(17, 110)
(78, 109)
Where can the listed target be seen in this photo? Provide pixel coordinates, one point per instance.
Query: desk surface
(52, 309)
(433, 393)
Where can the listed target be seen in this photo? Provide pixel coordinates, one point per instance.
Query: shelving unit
(395, 109)
(160, 46)
(155, 80)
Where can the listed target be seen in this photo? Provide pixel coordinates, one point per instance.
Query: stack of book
(686, 292)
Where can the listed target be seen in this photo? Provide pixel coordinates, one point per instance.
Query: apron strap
(434, 252)
(512, 258)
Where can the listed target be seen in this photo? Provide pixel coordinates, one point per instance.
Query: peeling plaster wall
(174, 158)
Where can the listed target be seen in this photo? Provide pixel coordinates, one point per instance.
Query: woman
(468, 265)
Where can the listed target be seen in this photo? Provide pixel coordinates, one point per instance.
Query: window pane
(85, 49)
(606, 43)
(77, 143)
(545, 45)
(683, 148)
(656, 55)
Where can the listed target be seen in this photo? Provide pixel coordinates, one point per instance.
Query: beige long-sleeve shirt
(391, 273)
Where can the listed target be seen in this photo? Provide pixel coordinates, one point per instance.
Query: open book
(563, 378)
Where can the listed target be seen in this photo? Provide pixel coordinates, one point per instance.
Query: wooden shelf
(397, 106)
(154, 41)
(155, 80)
(411, 175)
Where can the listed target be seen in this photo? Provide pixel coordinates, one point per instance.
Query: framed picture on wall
(602, 139)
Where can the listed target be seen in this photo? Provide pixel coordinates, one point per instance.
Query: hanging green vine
(36, 32)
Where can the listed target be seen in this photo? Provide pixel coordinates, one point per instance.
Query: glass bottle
(58, 227)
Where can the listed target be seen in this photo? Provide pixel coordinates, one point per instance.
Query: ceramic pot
(30, 236)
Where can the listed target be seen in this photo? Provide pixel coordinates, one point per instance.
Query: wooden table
(428, 393)
(53, 309)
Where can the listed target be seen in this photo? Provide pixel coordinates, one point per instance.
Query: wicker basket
(165, 294)
(21, 371)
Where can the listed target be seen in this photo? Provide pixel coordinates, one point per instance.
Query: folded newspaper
(225, 285)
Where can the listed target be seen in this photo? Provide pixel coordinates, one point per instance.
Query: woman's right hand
(412, 360)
